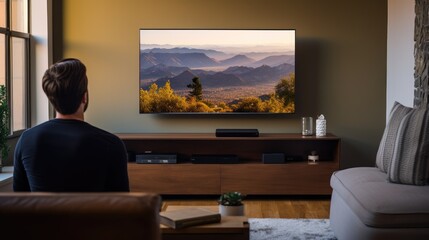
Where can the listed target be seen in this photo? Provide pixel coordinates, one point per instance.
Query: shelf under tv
(250, 176)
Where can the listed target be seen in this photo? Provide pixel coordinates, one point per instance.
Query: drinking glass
(307, 126)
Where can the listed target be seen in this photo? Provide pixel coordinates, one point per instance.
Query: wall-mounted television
(214, 71)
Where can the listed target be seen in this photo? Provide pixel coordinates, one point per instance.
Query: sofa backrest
(79, 216)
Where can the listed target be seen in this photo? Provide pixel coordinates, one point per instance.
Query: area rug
(296, 229)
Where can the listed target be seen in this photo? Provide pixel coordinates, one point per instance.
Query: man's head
(65, 84)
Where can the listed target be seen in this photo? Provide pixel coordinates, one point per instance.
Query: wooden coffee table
(230, 228)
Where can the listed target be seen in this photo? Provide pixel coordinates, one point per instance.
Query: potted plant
(231, 204)
(4, 125)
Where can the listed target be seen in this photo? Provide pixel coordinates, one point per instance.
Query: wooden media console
(249, 176)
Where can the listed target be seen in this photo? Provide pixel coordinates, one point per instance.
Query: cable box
(273, 158)
(237, 132)
(149, 158)
(214, 158)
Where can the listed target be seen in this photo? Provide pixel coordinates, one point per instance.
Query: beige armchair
(79, 216)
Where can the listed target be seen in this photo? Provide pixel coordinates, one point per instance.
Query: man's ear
(85, 97)
(85, 100)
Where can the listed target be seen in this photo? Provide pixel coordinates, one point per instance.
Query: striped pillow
(387, 144)
(410, 157)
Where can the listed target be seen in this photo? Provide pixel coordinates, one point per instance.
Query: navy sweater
(69, 156)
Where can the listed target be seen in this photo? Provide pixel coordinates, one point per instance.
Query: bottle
(321, 126)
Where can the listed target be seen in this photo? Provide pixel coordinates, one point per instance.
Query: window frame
(9, 34)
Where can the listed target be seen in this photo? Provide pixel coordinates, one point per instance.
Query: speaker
(237, 132)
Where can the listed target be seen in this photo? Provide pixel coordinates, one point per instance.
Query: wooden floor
(267, 207)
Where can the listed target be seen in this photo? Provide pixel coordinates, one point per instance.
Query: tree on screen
(197, 89)
(285, 89)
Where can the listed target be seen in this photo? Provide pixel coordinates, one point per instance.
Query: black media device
(156, 158)
(293, 158)
(222, 132)
(273, 158)
(214, 158)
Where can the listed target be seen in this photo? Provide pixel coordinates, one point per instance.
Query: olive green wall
(340, 63)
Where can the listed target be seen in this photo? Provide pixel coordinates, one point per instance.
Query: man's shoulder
(103, 134)
(72, 127)
(38, 128)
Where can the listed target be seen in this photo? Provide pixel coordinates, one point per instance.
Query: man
(66, 154)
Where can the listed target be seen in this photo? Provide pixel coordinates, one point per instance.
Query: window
(14, 60)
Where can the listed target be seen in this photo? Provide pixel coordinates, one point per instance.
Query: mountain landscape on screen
(215, 77)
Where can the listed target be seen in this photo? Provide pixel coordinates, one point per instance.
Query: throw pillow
(387, 143)
(409, 163)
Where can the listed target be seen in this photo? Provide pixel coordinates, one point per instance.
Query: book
(187, 217)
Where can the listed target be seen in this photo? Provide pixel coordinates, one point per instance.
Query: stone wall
(421, 53)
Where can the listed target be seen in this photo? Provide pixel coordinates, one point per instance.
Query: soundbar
(237, 132)
(214, 158)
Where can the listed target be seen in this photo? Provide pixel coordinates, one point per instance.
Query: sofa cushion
(404, 148)
(379, 203)
(410, 159)
(387, 143)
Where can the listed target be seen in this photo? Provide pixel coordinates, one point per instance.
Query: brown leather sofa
(80, 216)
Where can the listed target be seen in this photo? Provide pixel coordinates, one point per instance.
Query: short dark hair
(65, 84)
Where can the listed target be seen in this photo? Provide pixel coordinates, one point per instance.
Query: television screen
(217, 71)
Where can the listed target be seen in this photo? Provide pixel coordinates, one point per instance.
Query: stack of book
(187, 217)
